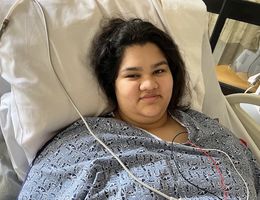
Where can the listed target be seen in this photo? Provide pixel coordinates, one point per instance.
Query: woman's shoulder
(202, 126)
(195, 115)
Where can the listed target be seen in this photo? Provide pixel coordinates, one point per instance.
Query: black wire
(178, 135)
(3, 27)
(176, 164)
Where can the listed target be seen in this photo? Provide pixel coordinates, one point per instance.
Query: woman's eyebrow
(137, 68)
(164, 62)
(132, 69)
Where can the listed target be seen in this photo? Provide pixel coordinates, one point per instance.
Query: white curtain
(235, 37)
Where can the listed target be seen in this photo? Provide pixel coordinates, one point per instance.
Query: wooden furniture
(232, 82)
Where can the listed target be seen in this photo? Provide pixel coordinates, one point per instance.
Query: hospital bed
(43, 52)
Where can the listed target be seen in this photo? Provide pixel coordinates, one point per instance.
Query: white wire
(86, 124)
(247, 189)
(10, 11)
(249, 88)
(89, 129)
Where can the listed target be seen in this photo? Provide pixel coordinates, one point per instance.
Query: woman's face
(144, 84)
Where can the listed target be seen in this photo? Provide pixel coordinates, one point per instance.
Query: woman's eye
(132, 76)
(159, 71)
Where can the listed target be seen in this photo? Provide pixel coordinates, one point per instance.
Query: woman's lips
(150, 98)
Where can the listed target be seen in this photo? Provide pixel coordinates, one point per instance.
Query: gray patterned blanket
(73, 165)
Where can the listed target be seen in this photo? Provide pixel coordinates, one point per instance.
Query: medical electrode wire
(178, 168)
(218, 150)
(222, 181)
(86, 124)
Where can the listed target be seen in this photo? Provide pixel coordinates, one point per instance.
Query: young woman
(159, 147)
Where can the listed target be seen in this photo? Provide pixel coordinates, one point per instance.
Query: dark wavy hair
(115, 36)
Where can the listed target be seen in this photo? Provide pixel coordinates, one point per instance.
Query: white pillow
(39, 106)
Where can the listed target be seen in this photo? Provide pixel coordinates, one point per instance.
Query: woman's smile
(150, 98)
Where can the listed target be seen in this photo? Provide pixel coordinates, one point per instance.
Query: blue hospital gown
(73, 165)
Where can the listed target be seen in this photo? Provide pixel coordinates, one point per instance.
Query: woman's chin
(153, 113)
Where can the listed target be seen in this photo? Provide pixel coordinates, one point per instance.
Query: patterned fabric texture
(73, 165)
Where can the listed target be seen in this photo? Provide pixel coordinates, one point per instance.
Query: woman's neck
(145, 123)
(165, 127)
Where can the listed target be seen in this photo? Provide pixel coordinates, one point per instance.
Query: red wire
(222, 182)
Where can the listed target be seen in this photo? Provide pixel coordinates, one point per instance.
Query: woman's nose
(148, 83)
